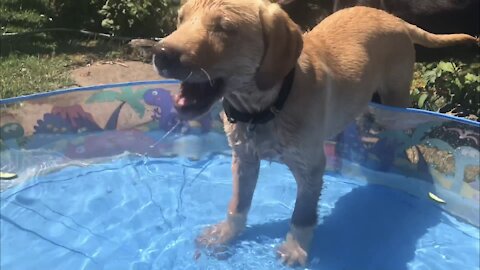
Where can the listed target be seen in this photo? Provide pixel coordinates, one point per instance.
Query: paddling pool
(107, 178)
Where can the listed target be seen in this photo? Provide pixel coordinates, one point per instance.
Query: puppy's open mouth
(196, 98)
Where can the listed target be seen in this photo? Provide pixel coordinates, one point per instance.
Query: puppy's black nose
(166, 57)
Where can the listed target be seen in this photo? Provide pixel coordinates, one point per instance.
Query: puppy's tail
(429, 40)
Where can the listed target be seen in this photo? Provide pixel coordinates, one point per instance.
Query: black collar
(234, 116)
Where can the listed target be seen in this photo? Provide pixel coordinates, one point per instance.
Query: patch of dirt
(106, 72)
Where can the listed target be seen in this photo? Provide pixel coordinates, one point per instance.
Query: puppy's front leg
(304, 219)
(245, 167)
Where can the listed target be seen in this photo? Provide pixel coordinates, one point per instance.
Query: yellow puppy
(284, 93)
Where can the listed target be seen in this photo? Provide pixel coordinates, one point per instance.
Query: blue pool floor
(137, 213)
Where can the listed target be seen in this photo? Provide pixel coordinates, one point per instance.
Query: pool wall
(412, 150)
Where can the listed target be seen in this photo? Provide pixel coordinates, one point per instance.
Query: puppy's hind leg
(396, 85)
(396, 89)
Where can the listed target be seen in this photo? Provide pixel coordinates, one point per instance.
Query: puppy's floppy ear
(283, 44)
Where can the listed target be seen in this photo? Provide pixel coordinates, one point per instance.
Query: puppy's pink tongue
(180, 100)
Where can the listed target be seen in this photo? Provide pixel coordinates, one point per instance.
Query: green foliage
(78, 14)
(139, 17)
(450, 87)
(19, 16)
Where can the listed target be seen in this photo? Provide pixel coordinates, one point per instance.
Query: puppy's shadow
(371, 227)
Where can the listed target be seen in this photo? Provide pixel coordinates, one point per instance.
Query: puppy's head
(220, 44)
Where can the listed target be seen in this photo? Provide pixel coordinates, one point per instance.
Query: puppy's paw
(219, 234)
(215, 240)
(295, 249)
(291, 253)
(222, 233)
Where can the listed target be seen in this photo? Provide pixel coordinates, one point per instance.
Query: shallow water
(134, 213)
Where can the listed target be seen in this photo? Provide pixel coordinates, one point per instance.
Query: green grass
(28, 74)
(42, 62)
(36, 65)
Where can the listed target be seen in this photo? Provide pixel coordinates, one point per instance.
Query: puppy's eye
(217, 27)
(223, 27)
